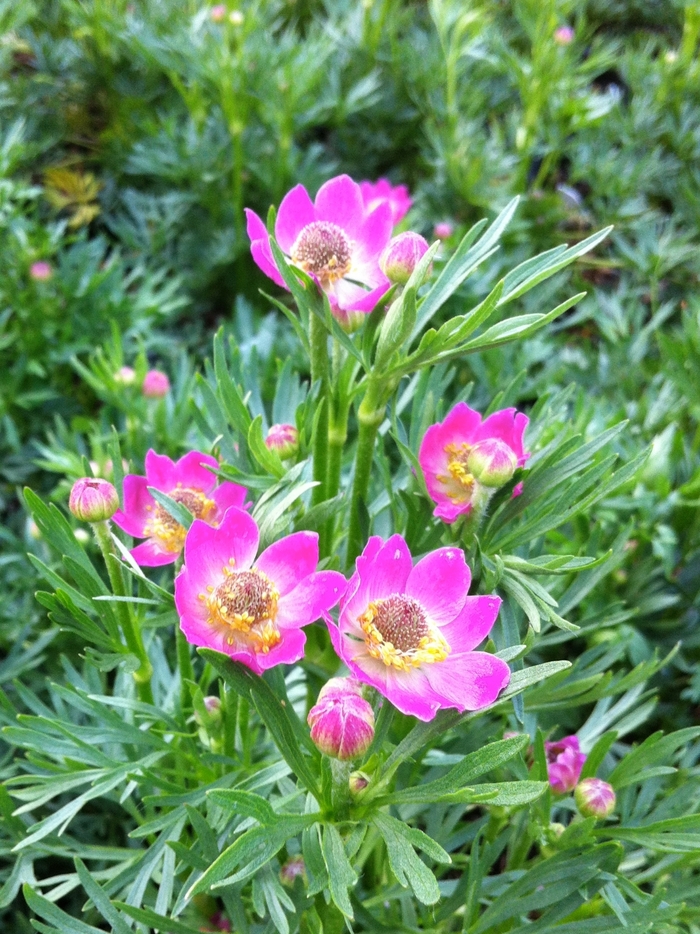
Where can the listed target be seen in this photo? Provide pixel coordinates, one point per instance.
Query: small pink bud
(595, 798)
(402, 255)
(492, 462)
(284, 439)
(41, 271)
(564, 763)
(93, 500)
(155, 385)
(443, 230)
(342, 722)
(291, 869)
(217, 13)
(358, 781)
(125, 376)
(564, 35)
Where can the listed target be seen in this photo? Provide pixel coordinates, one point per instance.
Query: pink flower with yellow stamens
(411, 631)
(252, 610)
(447, 447)
(187, 481)
(396, 196)
(334, 239)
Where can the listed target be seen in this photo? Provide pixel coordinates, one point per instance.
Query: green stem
(370, 415)
(480, 504)
(340, 789)
(319, 373)
(130, 630)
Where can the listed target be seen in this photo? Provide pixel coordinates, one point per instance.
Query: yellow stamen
(399, 635)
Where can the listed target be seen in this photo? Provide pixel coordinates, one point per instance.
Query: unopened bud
(402, 255)
(595, 798)
(155, 385)
(443, 230)
(125, 376)
(564, 35)
(93, 500)
(342, 722)
(492, 462)
(291, 869)
(217, 12)
(283, 439)
(41, 271)
(358, 781)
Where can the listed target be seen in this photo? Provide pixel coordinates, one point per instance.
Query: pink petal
(340, 202)
(229, 494)
(449, 511)
(262, 254)
(187, 598)
(208, 550)
(310, 600)
(372, 548)
(350, 297)
(386, 574)
(509, 426)
(440, 583)
(432, 455)
(149, 554)
(473, 624)
(161, 472)
(374, 234)
(190, 471)
(468, 680)
(137, 500)
(255, 228)
(411, 693)
(288, 561)
(296, 212)
(289, 650)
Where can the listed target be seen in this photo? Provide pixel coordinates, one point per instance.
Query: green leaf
(267, 459)
(179, 512)
(341, 875)
(396, 327)
(101, 901)
(64, 923)
(406, 865)
(245, 803)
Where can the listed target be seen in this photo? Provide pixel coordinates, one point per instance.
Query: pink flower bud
(217, 13)
(402, 255)
(125, 376)
(492, 462)
(284, 439)
(291, 869)
(155, 385)
(443, 230)
(595, 798)
(564, 763)
(93, 500)
(358, 781)
(342, 722)
(41, 271)
(564, 35)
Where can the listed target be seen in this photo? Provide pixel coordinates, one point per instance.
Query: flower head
(595, 798)
(284, 439)
(252, 610)
(564, 35)
(443, 230)
(93, 500)
(564, 763)
(41, 271)
(334, 239)
(217, 12)
(402, 255)
(341, 721)
(156, 385)
(411, 631)
(383, 192)
(189, 483)
(446, 449)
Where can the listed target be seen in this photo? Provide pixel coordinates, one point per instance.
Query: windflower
(564, 763)
(334, 239)
(411, 631)
(188, 482)
(454, 450)
(252, 610)
(382, 191)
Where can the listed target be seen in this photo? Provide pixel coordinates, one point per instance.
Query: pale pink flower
(41, 271)
(252, 610)
(411, 631)
(447, 445)
(217, 12)
(564, 763)
(187, 481)
(156, 385)
(443, 230)
(334, 239)
(564, 35)
(382, 191)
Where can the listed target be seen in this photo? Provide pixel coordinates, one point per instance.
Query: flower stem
(340, 790)
(130, 630)
(370, 416)
(319, 373)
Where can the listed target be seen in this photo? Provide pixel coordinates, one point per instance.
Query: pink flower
(342, 721)
(411, 631)
(125, 376)
(217, 12)
(564, 35)
(564, 763)
(443, 230)
(335, 239)
(445, 451)
(156, 385)
(188, 482)
(41, 271)
(251, 610)
(382, 191)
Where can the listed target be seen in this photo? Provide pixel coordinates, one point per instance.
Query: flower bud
(125, 376)
(564, 35)
(443, 230)
(492, 462)
(564, 763)
(41, 271)
(155, 385)
(342, 722)
(402, 255)
(217, 12)
(291, 869)
(235, 17)
(93, 500)
(595, 798)
(284, 439)
(358, 781)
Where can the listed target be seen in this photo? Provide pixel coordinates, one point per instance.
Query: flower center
(245, 605)
(398, 633)
(324, 250)
(168, 530)
(458, 482)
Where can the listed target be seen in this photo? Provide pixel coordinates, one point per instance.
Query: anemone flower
(252, 610)
(187, 481)
(397, 196)
(411, 632)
